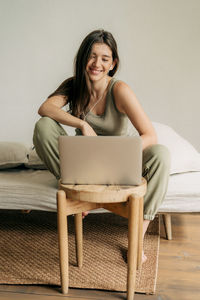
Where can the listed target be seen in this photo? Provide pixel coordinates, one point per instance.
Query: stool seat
(103, 193)
(126, 201)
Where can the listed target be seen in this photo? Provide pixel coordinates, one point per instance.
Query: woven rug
(29, 252)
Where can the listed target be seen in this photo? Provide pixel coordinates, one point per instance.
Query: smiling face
(100, 61)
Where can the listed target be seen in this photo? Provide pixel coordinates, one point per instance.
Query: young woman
(101, 105)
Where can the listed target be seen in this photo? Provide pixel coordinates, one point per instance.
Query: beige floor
(178, 273)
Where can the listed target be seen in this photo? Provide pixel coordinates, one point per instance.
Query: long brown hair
(75, 88)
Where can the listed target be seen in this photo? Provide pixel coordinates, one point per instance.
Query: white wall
(159, 47)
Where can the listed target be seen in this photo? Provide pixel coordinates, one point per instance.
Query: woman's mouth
(95, 71)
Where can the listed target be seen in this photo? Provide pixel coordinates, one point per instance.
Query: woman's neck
(97, 88)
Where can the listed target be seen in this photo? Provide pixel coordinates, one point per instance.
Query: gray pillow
(34, 162)
(12, 154)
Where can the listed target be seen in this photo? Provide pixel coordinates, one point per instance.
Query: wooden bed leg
(168, 226)
(25, 211)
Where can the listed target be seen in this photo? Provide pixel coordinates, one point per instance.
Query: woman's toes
(84, 214)
(144, 258)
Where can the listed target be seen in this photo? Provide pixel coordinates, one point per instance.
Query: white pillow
(184, 157)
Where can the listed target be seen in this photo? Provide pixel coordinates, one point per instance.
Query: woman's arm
(52, 108)
(127, 103)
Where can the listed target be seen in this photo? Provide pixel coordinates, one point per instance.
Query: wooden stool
(126, 201)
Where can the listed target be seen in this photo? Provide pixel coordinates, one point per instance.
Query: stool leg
(140, 233)
(63, 240)
(132, 245)
(79, 239)
(168, 226)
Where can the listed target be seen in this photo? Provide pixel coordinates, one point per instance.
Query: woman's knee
(158, 152)
(43, 128)
(43, 124)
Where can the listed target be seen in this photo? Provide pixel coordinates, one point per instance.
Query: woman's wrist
(81, 124)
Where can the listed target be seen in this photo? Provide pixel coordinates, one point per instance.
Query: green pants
(156, 162)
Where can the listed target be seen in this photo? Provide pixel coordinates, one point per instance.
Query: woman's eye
(105, 60)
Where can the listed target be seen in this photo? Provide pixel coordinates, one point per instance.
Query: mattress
(28, 189)
(36, 190)
(183, 194)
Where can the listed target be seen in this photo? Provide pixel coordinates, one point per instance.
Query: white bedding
(36, 190)
(183, 194)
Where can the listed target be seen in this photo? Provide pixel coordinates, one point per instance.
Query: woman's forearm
(59, 115)
(148, 140)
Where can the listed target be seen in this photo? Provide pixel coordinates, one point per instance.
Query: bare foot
(84, 214)
(144, 258)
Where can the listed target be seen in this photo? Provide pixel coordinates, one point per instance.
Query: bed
(36, 190)
(25, 184)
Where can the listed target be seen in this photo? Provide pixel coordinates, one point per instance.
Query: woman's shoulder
(67, 82)
(120, 87)
(64, 89)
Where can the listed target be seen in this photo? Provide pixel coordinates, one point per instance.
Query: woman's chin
(94, 77)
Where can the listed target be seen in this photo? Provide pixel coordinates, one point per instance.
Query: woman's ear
(113, 64)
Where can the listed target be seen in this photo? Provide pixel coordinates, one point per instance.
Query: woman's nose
(96, 62)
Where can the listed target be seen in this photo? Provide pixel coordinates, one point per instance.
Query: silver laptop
(115, 160)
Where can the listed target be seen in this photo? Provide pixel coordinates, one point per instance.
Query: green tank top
(111, 122)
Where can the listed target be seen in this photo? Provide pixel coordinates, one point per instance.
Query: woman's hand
(87, 130)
